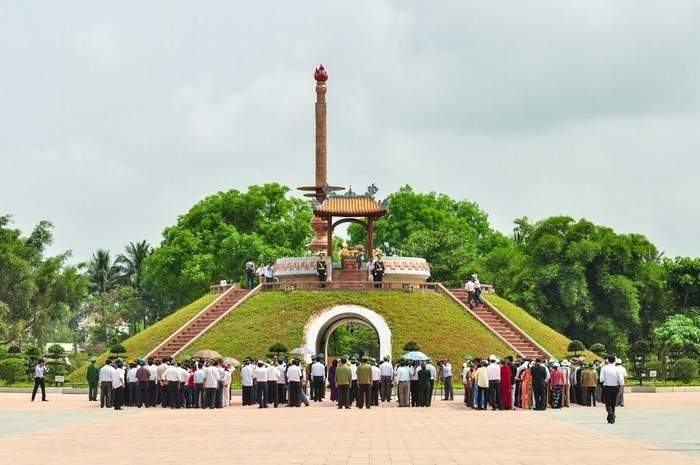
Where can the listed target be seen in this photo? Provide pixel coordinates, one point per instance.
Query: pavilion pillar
(329, 238)
(370, 238)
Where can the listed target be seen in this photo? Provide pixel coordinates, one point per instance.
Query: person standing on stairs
(322, 270)
(469, 286)
(250, 274)
(477, 290)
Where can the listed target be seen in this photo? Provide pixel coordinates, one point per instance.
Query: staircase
(350, 275)
(503, 327)
(201, 322)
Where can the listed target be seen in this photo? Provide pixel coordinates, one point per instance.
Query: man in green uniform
(343, 376)
(364, 382)
(93, 376)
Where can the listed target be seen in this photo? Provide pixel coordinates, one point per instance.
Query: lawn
(554, 342)
(439, 326)
(140, 344)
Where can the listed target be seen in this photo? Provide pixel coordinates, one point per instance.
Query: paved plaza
(651, 429)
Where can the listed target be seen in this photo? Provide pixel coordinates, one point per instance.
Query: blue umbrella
(415, 355)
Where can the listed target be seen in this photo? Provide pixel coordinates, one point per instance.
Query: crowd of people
(499, 384)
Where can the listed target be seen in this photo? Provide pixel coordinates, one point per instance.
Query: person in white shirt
(477, 290)
(403, 380)
(318, 379)
(433, 376)
(354, 387)
(294, 378)
(228, 376)
(272, 384)
(623, 371)
(133, 384)
(106, 384)
(494, 373)
(466, 370)
(40, 371)
(386, 372)
(376, 379)
(415, 368)
(171, 376)
(447, 379)
(269, 272)
(469, 286)
(261, 378)
(118, 386)
(198, 400)
(212, 376)
(281, 381)
(152, 385)
(247, 383)
(613, 383)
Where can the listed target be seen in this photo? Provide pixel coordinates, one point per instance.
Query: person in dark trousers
(364, 382)
(250, 274)
(142, 377)
(93, 378)
(378, 271)
(322, 269)
(272, 384)
(118, 386)
(318, 378)
(40, 371)
(343, 376)
(294, 377)
(613, 382)
(261, 377)
(539, 384)
(106, 384)
(424, 390)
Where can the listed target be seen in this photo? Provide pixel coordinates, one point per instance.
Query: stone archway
(320, 326)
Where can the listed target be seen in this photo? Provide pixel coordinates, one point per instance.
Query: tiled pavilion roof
(351, 206)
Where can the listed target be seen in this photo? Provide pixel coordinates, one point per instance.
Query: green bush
(575, 347)
(598, 349)
(655, 365)
(411, 346)
(685, 369)
(11, 369)
(117, 349)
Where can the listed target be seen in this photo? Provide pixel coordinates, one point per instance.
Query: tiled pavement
(651, 429)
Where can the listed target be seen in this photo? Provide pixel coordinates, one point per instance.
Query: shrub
(117, 349)
(277, 348)
(33, 353)
(11, 369)
(14, 350)
(411, 346)
(598, 349)
(685, 369)
(655, 365)
(56, 351)
(575, 347)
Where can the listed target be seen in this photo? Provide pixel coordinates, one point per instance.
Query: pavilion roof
(351, 206)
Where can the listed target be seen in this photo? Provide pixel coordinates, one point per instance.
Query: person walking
(93, 379)
(477, 290)
(40, 371)
(364, 383)
(403, 386)
(623, 372)
(250, 274)
(386, 372)
(469, 286)
(613, 383)
(343, 377)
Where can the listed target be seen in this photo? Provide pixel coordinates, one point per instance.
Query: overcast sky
(115, 118)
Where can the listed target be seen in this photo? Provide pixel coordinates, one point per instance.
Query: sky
(115, 118)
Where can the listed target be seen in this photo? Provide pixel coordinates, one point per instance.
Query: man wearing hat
(566, 370)
(623, 372)
(364, 383)
(494, 373)
(343, 377)
(589, 381)
(322, 271)
(477, 290)
(93, 376)
(318, 379)
(143, 375)
(378, 271)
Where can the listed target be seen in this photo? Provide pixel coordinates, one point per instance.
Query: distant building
(86, 325)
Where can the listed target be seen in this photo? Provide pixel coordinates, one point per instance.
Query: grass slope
(554, 342)
(140, 344)
(439, 326)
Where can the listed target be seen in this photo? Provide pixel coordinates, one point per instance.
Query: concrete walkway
(651, 429)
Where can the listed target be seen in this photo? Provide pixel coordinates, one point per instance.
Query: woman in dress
(526, 387)
(331, 381)
(506, 387)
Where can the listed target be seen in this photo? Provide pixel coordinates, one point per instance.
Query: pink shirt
(556, 378)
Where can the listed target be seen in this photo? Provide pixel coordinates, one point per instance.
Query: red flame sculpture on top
(321, 74)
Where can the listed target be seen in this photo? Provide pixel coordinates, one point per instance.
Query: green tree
(575, 347)
(411, 346)
(117, 349)
(684, 280)
(219, 234)
(11, 369)
(685, 369)
(131, 262)
(277, 348)
(104, 273)
(598, 349)
(678, 335)
(450, 234)
(56, 351)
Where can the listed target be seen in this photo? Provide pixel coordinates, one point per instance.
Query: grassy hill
(436, 323)
(140, 344)
(555, 343)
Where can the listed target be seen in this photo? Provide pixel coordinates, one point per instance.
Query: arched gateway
(321, 325)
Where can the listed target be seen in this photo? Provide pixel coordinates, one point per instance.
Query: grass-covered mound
(140, 344)
(555, 343)
(439, 326)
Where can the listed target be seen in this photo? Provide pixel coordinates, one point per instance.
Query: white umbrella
(302, 351)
